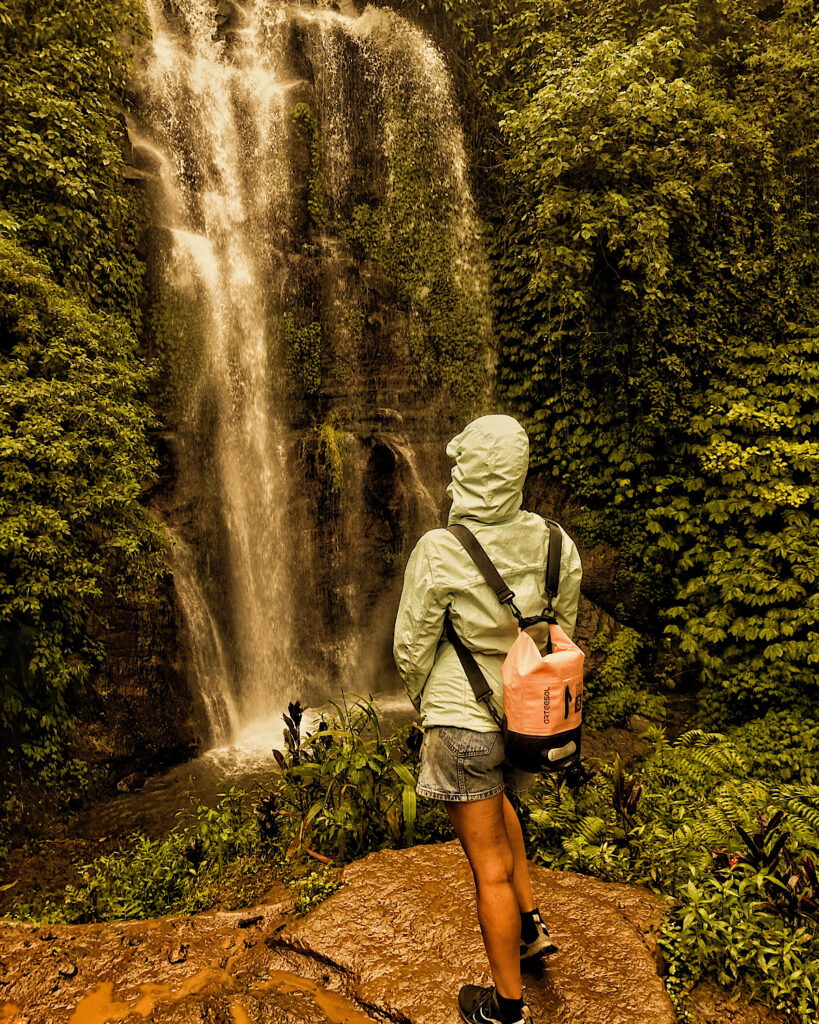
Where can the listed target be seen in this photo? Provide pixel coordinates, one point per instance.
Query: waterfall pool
(165, 800)
(246, 764)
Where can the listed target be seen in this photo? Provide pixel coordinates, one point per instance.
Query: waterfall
(267, 129)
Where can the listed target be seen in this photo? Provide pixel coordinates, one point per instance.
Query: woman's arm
(568, 591)
(419, 623)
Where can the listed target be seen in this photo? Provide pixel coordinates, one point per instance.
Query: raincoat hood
(491, 461)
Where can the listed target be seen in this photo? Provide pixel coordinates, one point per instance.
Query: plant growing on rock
(306, 124)
(76, 453)
(616, 690)
(75, 456)
(345, 790)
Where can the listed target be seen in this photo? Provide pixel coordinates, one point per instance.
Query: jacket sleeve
(419, 623)
(568, 591)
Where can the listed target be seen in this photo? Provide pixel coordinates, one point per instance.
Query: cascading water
(275, 133)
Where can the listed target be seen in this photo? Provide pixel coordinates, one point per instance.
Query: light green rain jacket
(492, 458)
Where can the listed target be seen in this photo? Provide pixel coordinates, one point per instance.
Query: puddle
(239, 1015)
(336, 1008)
(100, 1007)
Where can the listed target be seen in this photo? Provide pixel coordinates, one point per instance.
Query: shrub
(150, 877)
(782, 745)
(64, 71)
(616, 689)
(74, 448)
(345, 790)
(74, 459)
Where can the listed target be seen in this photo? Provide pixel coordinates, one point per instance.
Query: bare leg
(481, 829)
(520, 879)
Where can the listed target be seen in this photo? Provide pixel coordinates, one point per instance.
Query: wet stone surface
(415, 940)
(210, 969)
(394, 944)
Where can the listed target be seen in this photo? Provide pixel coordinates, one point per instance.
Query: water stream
(253, 247)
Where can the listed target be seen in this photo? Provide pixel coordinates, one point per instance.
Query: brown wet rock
(178, 953)
(403, 933)
(394, 944)
(215, 968)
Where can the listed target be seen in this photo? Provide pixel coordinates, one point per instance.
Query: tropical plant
(344, 789)
(75, 457)
(736, 856)
(75, 453)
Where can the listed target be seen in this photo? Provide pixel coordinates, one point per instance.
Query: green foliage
(743, 530)
(300, 347)
(340, 793)
(64, 68)
(150, 877)
(345, 790)
(782, 745)
(331, 455)
(721, 928)
(177, 330)
(678, 825)
(417, 235)
(314, 888)
(74, 458)
(616, 689)
(651, 173)
(74, 448)
(304, 119)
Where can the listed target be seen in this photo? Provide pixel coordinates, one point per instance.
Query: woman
(462, 757)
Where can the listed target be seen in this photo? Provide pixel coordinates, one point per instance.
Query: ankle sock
(530, 925)
(510, 1011)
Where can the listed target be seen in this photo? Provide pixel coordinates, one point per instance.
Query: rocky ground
(393, 944)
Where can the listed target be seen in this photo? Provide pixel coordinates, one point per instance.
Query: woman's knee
(495, 867)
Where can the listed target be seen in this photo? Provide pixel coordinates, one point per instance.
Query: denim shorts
(460, 765)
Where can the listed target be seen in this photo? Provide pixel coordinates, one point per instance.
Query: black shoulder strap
(486, 567)
(470, 543)
(553, 561)
(477, 680)
(484, 563)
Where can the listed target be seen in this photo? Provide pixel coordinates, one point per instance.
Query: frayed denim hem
(458, 798)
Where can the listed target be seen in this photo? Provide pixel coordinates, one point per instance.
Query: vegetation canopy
(74, 453)
(651, 174)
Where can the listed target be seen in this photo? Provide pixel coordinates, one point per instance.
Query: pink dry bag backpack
(542, 693)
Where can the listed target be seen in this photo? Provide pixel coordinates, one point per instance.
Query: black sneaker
(478, 1006)
(542, 946)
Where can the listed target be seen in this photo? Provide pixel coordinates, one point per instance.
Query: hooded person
(462, 754)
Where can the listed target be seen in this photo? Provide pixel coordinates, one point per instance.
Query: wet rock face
(395, 944)
(137, 711)
(211, 969)
(405, 933)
